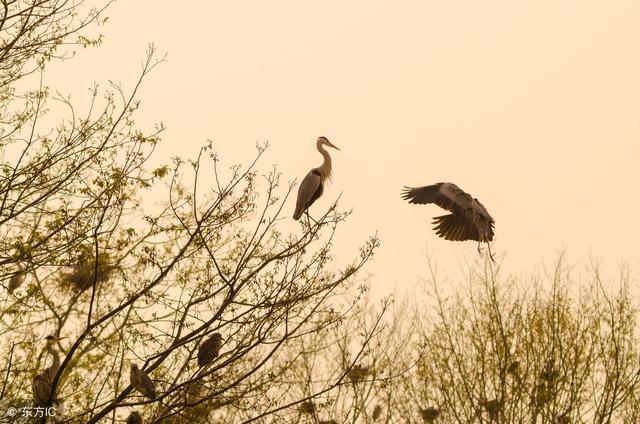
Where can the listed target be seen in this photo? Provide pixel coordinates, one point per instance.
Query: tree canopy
(203, 309)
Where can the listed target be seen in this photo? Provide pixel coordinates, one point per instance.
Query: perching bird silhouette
(17, 279)
(468, 220)
(42, 383)
(135, 418)
(209, 349)
(141, 382)
(312, 185)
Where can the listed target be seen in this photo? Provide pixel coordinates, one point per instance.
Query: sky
(532, 107)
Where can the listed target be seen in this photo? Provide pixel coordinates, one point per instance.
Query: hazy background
(533, 108)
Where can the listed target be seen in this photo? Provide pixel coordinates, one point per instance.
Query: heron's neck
(325, 168)
(55, 364)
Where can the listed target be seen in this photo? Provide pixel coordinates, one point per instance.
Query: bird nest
(83, 275)
(307, 407)
(358, 373)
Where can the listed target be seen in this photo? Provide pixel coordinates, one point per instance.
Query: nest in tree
(429, 414)
(308, 407)
(513, 367)
(84, 274)
(358, 373)
(493, 407)
(550, 373)
(542, 395)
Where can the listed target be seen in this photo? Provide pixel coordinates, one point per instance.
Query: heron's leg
(490, 253)
(480, 248)
(309, 217)
(306, 212)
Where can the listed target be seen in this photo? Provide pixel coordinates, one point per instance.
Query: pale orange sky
(532, 107)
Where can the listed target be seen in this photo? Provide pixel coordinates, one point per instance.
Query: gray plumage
(17, 279)
(135, 418)
(209, 349)
(43, 383)
(312, 186)
(41, 386)
(141, 382)
(468, 220)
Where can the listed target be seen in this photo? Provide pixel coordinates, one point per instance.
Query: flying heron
(141, 381)
(209, 349)
(42, 383)
(468, 220)
(135, 418)
(312, 185)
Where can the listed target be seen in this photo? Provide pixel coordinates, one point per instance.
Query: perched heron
(312, 185)
(468, 220)
(42, 383)
(209, 349)
(377, 411)
(17, 279)
(141, 381)
(135, 418)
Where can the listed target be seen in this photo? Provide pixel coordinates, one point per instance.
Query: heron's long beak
(330, 144)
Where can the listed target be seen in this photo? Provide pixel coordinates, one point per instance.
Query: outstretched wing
(446, 195)
(455, 227)
(309, 191)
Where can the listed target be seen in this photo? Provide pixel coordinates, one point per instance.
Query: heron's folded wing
(306, 192)
(41, 389)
